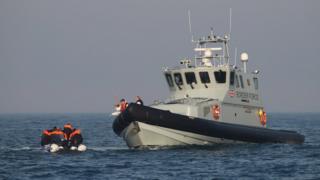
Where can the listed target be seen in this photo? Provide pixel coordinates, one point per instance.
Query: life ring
(263, 118)
(216, 112)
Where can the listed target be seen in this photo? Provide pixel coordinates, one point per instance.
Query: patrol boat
(210, 102)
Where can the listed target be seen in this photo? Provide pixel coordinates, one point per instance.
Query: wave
(24, 148)
(108, 148)
(95, 148)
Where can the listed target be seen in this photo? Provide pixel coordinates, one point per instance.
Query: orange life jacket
(77, 131)
(46, 132)
(123, 106)
(263, 118)
(56, 132)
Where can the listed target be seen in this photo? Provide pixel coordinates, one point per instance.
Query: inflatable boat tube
(205, 127)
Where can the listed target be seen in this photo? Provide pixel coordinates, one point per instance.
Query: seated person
(46, 137)
(67, 130)
(76, 138)
(57, 136)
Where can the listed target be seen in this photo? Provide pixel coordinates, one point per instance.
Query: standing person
(139, 100)
(123, 105)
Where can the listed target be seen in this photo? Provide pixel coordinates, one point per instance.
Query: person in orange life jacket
(57, 136)
(67, 129)
(76, 137)
(139, 100)
(45, 137)
(123, 105)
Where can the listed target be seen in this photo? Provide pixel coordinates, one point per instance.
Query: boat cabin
(209, 79)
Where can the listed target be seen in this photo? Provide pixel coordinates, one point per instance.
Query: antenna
(235, 57)
(190, 28)
(211, 32)
(230, 21)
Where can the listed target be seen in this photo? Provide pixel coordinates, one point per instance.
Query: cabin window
(255, 82)
(241, 81)
(204, 76)
(190, 77)
(169, 80)
(178, 79)
(232, 78)
(237, 81)
(220, 76)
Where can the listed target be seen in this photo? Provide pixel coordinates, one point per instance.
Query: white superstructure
(209, 79)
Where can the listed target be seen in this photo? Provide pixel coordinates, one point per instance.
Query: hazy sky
(76, 55)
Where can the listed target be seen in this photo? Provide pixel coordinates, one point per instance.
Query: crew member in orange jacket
(123, 105)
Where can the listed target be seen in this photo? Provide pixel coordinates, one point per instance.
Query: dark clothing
(57, 139)
(45, 139)
(76, 140)
(67, 132)
(54, 135)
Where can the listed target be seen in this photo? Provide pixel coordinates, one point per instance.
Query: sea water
(108, 157)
